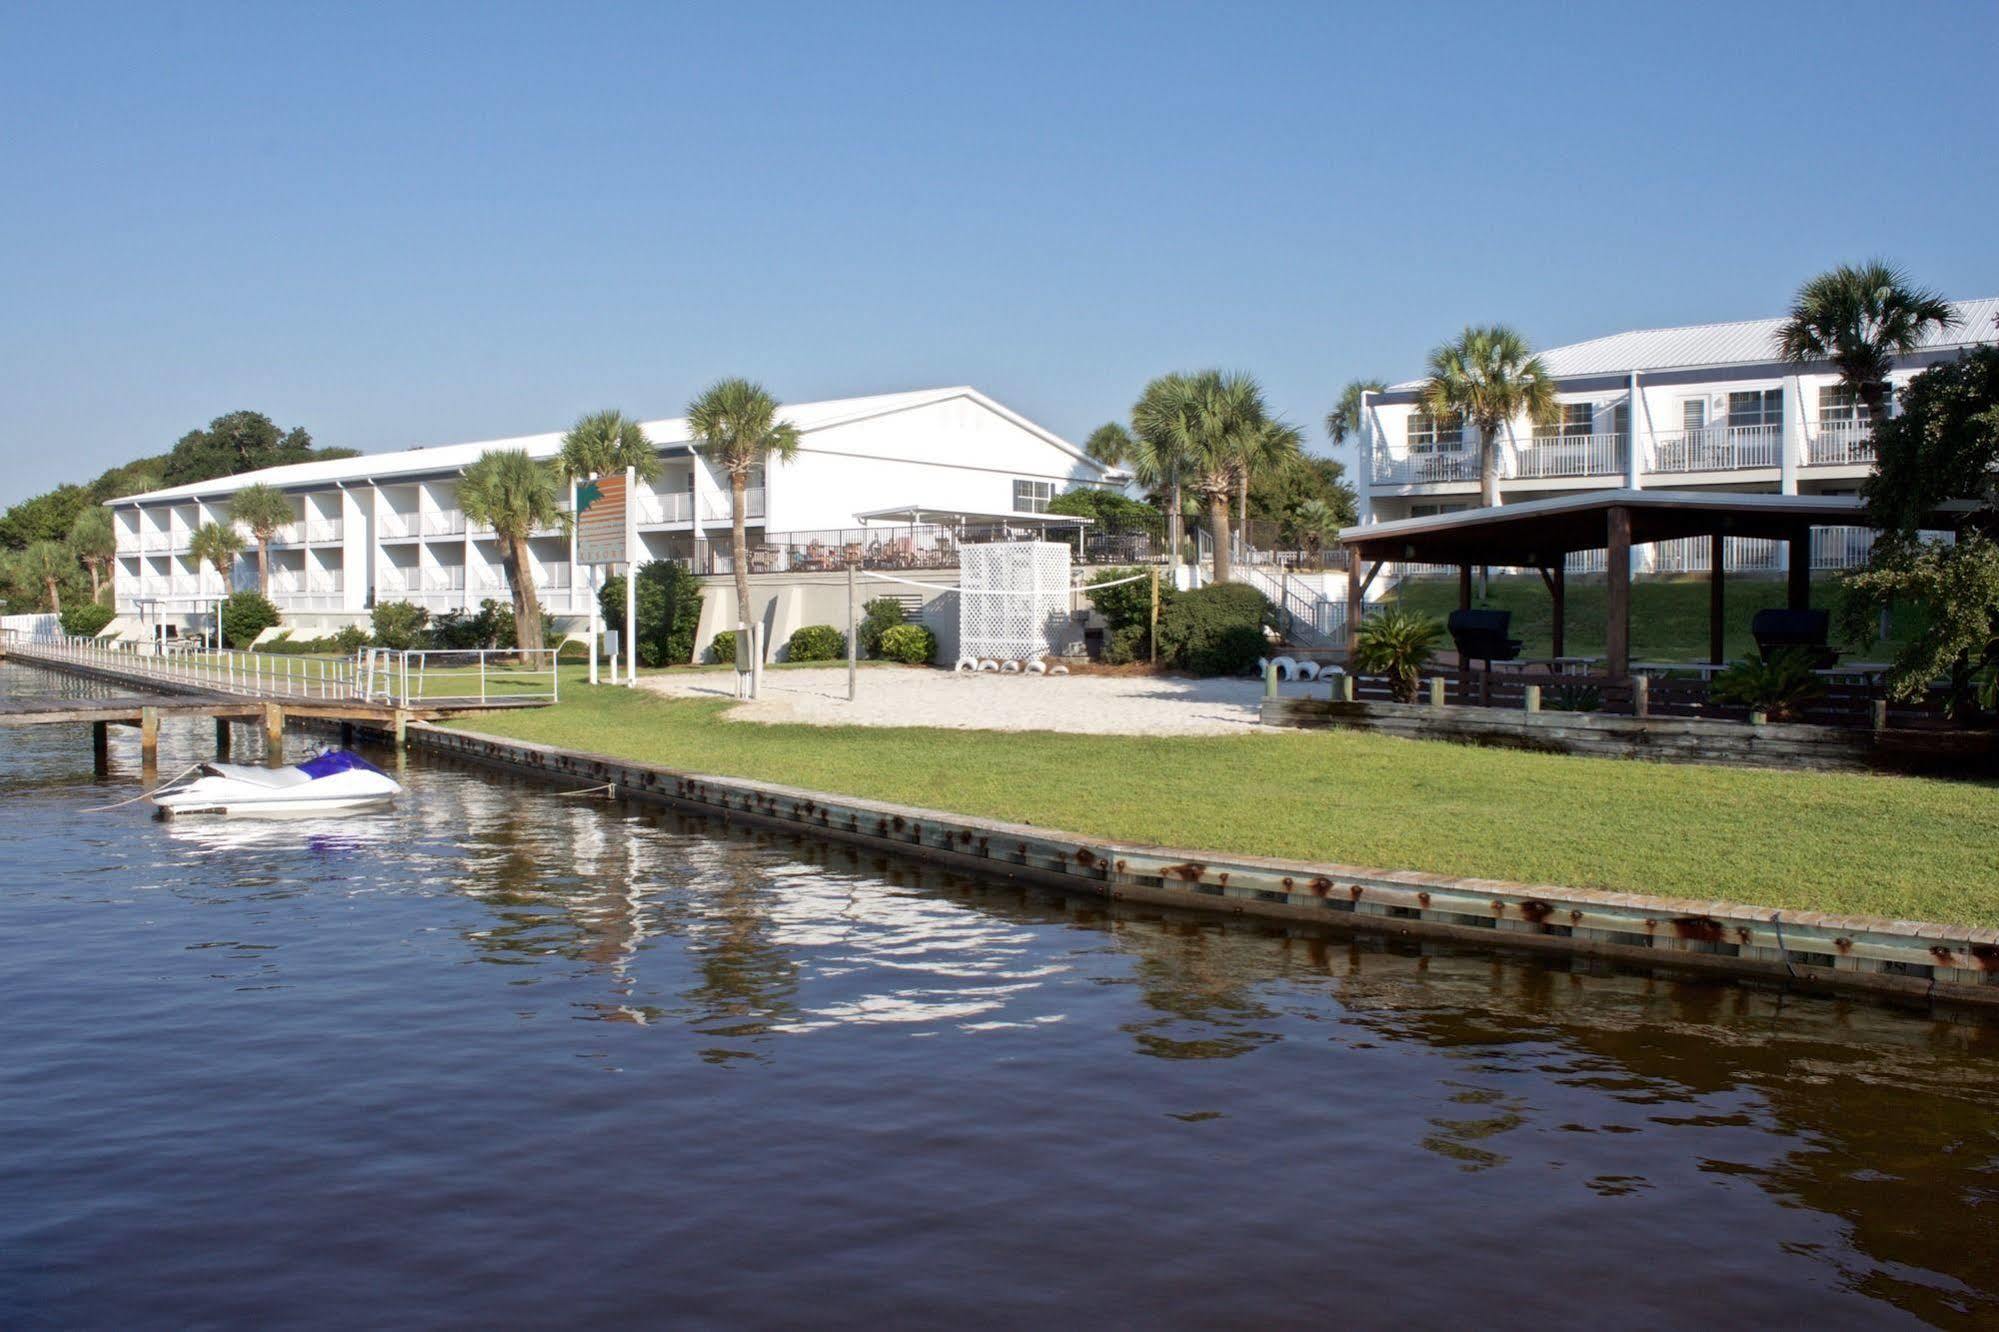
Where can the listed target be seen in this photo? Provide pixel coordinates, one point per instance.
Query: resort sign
(601, 520)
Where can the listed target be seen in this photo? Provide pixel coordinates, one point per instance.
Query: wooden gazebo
(1541, 534)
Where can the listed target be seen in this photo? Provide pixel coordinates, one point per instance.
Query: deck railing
(1839, 443)
(1424, 468)
(1570, 455)
(1719, 449)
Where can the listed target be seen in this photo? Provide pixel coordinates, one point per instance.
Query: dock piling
(274, 734)
(222, 738)
(100, 747)
(149, 737)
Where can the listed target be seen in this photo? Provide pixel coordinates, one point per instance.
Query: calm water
(499, 1057)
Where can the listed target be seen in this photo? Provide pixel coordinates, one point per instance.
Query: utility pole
(853, 632)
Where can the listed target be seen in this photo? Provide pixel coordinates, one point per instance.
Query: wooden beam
(1464, 587)
(149, 737)
(1558, 591)
(1800, 583)
(222, 738)
(1717, 549)
(100, 747)
(274, 734)
(1617, 580)
(1372, 569)
(1356, 591)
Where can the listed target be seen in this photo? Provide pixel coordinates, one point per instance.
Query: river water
(499, 1057)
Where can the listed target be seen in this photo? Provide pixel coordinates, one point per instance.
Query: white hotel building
(387, 527)
(1711, 407)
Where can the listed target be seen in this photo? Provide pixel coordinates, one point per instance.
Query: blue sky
(430, 223)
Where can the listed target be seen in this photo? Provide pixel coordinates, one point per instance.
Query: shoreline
(1814, 953)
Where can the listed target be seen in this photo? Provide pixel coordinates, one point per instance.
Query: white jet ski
(335, 780)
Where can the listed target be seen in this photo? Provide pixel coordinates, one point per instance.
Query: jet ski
(334, 780)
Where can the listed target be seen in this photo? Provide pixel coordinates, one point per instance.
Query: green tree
(736, 423)
(668, 606)
(240, 442)
(513, 494)
(93, 545)
(1944, 446)
(1488, 376)
(1276, 447)
(1111, 444)
(44, 565)
(1316, 525)
(1277, 496)
(263, 509)
(1219, 428)
(1396, 643)
(1160, 431)
(605, 443)
(215, 545)
(44, 517)
(1344, 419)
(1860, 317)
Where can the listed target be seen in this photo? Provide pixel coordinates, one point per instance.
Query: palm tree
(737, 423)
(1276, 445)
(1344, 419)
(603, 443)
(1110, 444)
(46, 564)
(94, 545)
(1860, 318)
(1160, 428)
(263, 510)
(1221, 426)
(216, 545)
(1488, 377)
(1316, 523)
(511, 493)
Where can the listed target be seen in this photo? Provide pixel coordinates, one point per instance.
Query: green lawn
(1668, 615)
(1891, 846)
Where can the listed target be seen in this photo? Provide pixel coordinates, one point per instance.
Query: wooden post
(1464, 587)
(100, 747)
(222, 738)
(1800, 582)
(1558, 588)
(1617, 579)
(1354, 593)
(1878, 714)
(1343, 687)
(274, 734)
(1530, 698)
(853, 632)
(1152, 625)
(1270, 679)
(1437, 689)
(149, 737)
(1717, 639)
(1641, 696)
(401, 726)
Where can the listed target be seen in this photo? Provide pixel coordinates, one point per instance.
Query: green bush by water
(244, 616)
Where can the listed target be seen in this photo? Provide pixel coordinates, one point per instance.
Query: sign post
(631, 583)
(604, 531)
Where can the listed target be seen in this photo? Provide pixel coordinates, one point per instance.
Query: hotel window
(1575, 418)
(1032, 496)
(1693, 414)
(1432, 510)
(1838, 402)
(1757, 407)
(1428, 435)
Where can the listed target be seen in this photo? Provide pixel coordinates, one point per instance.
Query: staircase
(1305, 617)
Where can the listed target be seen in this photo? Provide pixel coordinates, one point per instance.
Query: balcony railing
(324, 529)
(391, 523)
(716, 509)
(443, 522)
(1719, 449)
(1839, 443)
(1570, 455)
(155, 541)
(672, 507)
(1422, 468)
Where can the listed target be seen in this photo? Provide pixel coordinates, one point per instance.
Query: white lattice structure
(1013, 602)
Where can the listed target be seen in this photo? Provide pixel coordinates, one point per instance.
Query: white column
(1640, 436)
(1364, 446)
(1793, 453)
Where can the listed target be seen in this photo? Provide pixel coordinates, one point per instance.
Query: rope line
(143, 795)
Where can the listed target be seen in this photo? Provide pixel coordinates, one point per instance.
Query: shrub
(669, 611)
(816, 642)
(500, 615)
(1124, 646)
(1396, 643)
(723, 647)
(1780, 684)
(1232, 650)
(1574, 698)
(400, 624)
(351, 638)
(86, 619)
(911, 644)
(244, 616)
(1127, 612)
(877, 618)
(1195, 629)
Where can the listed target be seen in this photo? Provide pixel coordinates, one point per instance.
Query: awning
(913, 514)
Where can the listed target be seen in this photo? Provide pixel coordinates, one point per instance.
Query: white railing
(671, 507)
(375, 675)
(1719, 449)
(155, 541)
(324, 529)
(288, 535)
(393, 524)
(1570, 455)
(717, 509)
(1835, 443)
(36, 628)
(443, 522)
(1422, 468)
(1738, 555)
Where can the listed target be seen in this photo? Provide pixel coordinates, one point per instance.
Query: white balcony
(324, 529)
(1840, 443)
(394, 525)
(1425, 468)
(1570, 455)
(1719, 449)
(155, 540)
(717, 508)
(655, 509)
(444, 522)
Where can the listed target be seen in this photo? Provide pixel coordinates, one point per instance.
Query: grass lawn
(1891, 846)
(1668, 615)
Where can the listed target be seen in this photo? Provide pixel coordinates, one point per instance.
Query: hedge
(911, 644)
(816, 642)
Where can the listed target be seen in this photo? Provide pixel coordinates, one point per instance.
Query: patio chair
(1778, 630)
(1480, 635)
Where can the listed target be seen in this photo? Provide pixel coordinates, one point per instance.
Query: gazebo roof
(1538, 533)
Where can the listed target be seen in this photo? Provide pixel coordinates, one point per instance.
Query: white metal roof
(912, 514)
(1744, 342)
(667, 434)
